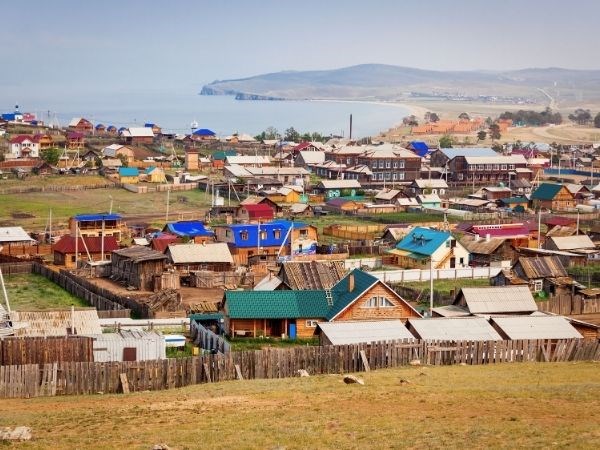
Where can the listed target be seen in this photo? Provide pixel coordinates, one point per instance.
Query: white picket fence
(399, 276)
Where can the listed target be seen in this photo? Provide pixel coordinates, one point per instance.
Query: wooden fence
(9, 269)
(42, 350)
(101, 299)
(90, 378)
(567, 305)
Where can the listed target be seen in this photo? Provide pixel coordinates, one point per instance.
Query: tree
(597, 120)
(581, 116)
(272, 133)
(445, 141)
(291, 135)
(497, 148)
(495, 131)
(464, 116)
(410, 121)
(51, 156)
(481, 135)
(433, 117)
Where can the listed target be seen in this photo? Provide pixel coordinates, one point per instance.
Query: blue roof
(95, 217)
(272, 239)
(468, 151)
(9, 116)
(204, 132)
(546, 191)
(423, 241)
(189, 228)
(149, 125)
(99, 126)
(343, 296)
(129, 171)
(420, 148)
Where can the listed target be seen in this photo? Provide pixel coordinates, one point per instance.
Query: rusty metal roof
(476, 244)
(543, 267)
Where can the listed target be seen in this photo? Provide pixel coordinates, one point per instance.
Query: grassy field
(31, 292)
(445, 286)
(497, 406)
(149, 207)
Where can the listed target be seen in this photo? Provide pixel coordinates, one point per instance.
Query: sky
(79, 48)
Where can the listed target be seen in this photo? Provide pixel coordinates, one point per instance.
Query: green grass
(407, 217)
(240, 344)
(499, 406)
(445, 286)
(32, 292)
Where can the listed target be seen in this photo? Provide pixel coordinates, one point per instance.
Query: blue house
(268, 241)
(204, 134)
(423, 245)
(194, 230)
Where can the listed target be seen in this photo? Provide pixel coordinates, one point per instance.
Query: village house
(75, 140)
(387, 196)
(338, 188)
(204, 134)
(155, 174)
(248, 160)
(555, 197)
(422, 186)
(156, 130)
(487, 169)
(308, 159)
(516, 204)
(189, 257)
(16, 240)
(423, 246)
(254, 213)
(580, 244)
(137, 266)
(520, 234)
(541, 273)
(390, 163)
(284, 194)
(137, 135)
(419, 147)
(44, 141)
(429, 201)
(100, 128)
(24, 146)
(283, 175)
(486, 251)
(94, 225)
(80, 125)
(251, 243)
(119, 151)
(342, 205)
(129, 175)
(307, 275)
(191, 230)
(580, 192)
(259, 199)
(441, 157)
(358, 296)
(492, 193)
(67, 251)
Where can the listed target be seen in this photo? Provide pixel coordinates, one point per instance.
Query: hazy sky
(82, 48)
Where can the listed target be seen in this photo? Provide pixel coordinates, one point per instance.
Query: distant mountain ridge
(386, 82)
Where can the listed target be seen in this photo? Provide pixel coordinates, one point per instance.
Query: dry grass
(496, 406)
(30, 291)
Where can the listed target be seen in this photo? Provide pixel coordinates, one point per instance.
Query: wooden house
(487, 250)
(129, 175)
(91, 225)
(137, 135)
(284, 194)
(423, 246)
(111, 129)
(358, 296)
(75, 140)
(155, 175)
(80, 125)
(307, 275)
(44, 141)
(100, 128)
(66, 251)
(343, 205)
(137, 266)
(119, 151)
(517, 204)
(555, 197)
(254, 213)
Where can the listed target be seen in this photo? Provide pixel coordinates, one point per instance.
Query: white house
(24, 146)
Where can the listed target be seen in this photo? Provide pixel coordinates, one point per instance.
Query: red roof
(558, 220)
(21, 138)
(259, 211)
(301, 146)
(160, 243)
(508, 230)
(93, 244)
(75, 135)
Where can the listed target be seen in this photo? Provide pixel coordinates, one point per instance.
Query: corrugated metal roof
(546, 191)
(536, 327)
(276, 304)
(56, 323)
(451, 311)
(339, 184)
(464, 151)
(189, 228)
(424, 241)
(311, 157)
(572, 242)
(455, 329)
(431, 184)
(514, 159)
(498, 299)
(200, 253)
(542, 267)
(342, 333)
(481, 246)
(268, 283)
(14, 234)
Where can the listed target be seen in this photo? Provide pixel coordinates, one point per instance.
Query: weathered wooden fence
(100, 298)
(208, 340)
(567, 305)
(15, 268)
(42, 350)
(90, 378)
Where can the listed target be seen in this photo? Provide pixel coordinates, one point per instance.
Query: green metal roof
(342, 296)
(546, 191)
(206, 316)
(510, 200)
(276, 304)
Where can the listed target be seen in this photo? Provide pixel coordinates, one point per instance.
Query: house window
(263, 235)
(394, 176)
(349, 161)
(381, 164)
(244, 235)
(488, 167)
(395, 164)
(471, 167)
(311, 324)
(388, 164)
(374, 165)
(378, 302)
(460, 176)
(401, 164)
(504, 166)
(537, 285)
(276, 234)
(496, 166)
(480, 166)
(401, 175)
(511, 166)
(380, 176)
(303, 233)
(388, 176)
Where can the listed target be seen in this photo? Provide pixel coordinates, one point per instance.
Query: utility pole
(539, 228)
(168, 199)
(431, 286)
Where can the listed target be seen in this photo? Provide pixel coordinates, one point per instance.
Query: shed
(137, 266)
(535, 327)
(215, 256)
(359, 332)
(129, 345)
(453, 329)
(496, 299)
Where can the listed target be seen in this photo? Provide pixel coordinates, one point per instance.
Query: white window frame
(311, 323)
(538, 285)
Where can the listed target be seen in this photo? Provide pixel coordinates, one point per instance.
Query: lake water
(225, 115)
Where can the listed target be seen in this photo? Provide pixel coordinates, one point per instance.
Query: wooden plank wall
(70, 378)
(42, 350)
(567, 305)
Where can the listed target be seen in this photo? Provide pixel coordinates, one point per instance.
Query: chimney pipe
(487, 237)
(350, 126)
(350, 282)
